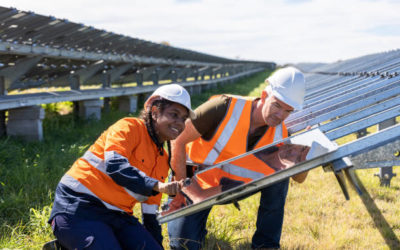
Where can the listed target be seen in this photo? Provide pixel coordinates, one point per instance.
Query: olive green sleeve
(210, 114)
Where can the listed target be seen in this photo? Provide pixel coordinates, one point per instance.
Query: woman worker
(127, 164)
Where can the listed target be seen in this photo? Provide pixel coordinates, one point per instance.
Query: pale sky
(286, 31)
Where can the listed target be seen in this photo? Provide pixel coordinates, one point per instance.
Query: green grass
(29, 173)
(317, 216)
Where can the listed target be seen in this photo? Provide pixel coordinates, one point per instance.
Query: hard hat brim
(151, 99)
(282, 98)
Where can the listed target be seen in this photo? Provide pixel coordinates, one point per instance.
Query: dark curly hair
(161, 105)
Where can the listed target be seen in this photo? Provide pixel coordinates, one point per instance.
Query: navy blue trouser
(112, 232)
(189, 232)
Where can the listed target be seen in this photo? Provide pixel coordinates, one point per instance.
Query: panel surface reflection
(210, 181)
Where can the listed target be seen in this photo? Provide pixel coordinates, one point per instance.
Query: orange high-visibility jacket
(230, 140)
(125, 142)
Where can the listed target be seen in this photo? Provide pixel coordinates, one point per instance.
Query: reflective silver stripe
(246, 173)
(100, 165)
(149, 209)
(226, 133)
(224, 138)
(75, 185)
(138, 197)
(278, 133)
(242, 172)
(188, 160)
(95, 161)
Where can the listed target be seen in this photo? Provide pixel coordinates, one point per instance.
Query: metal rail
(24, 100)
(352, 148)
(37, 50)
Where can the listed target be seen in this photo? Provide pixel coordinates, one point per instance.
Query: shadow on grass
(381, 224)
(245, 245)
(213, 243)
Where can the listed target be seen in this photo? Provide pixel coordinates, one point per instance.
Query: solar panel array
(342, 98)
(349, 97)
(37, 50)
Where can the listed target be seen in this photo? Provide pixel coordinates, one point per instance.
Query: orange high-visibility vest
(230, 140)
(128, 138)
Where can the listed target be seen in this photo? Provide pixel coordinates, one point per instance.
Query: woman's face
(171, 122)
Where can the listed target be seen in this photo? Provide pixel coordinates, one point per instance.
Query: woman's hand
(170, 188)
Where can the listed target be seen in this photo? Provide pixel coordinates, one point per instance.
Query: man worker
(271, 159)
(227, 126)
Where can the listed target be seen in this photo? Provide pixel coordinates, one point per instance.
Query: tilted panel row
(44, 51)
(37, 30)
(350, 97)
(337, 105)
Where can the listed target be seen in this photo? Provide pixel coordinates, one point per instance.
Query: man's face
(274, 111)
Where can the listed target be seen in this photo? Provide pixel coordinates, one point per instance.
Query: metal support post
(139, 79)
(74, 82)
(174, 76)
(361, 133)
(184, 76)
(196, 75)
(106, 84)
(154, 78)
(339, 167)
(386, 173)
(340, 178)
(352, 179)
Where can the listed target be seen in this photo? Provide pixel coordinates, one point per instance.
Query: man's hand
(170, 188)
(178, 157)
(300, 178)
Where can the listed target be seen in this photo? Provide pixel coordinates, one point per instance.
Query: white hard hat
(174, 93)
(288, 85)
